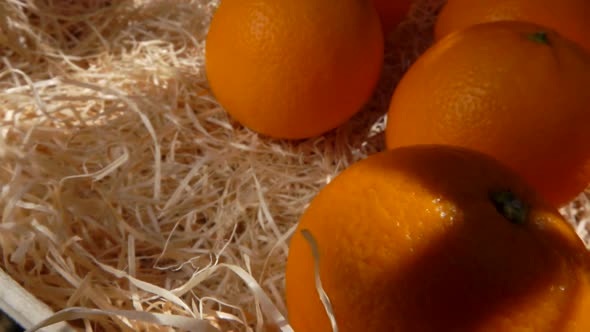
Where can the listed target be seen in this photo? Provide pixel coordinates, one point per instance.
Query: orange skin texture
(294, 69)
(568, 17)
(490, 88)
(391, 12)
(409, 240)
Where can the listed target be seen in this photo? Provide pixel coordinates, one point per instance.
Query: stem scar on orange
(436, 238)
(293, 69)
(514, 90)
(570, 18)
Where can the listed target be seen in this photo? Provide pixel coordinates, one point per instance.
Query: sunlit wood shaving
(318, 281)
(124, 185)
(178, 322)
(146, 286)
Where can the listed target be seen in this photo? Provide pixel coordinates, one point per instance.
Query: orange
(391, 12)
(513, 90)
(293, 69)
(436, 238)
(568, 17)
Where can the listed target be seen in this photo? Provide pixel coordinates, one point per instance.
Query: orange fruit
(293, 69)
(513, 90)
(391, 12)
(568, 17)
(436, 238)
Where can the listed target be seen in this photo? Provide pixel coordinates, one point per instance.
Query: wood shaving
(129, 200)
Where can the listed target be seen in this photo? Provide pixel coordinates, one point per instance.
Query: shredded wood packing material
(129, 200)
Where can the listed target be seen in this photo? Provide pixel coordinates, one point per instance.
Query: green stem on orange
(539, 37)
(510, 206)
